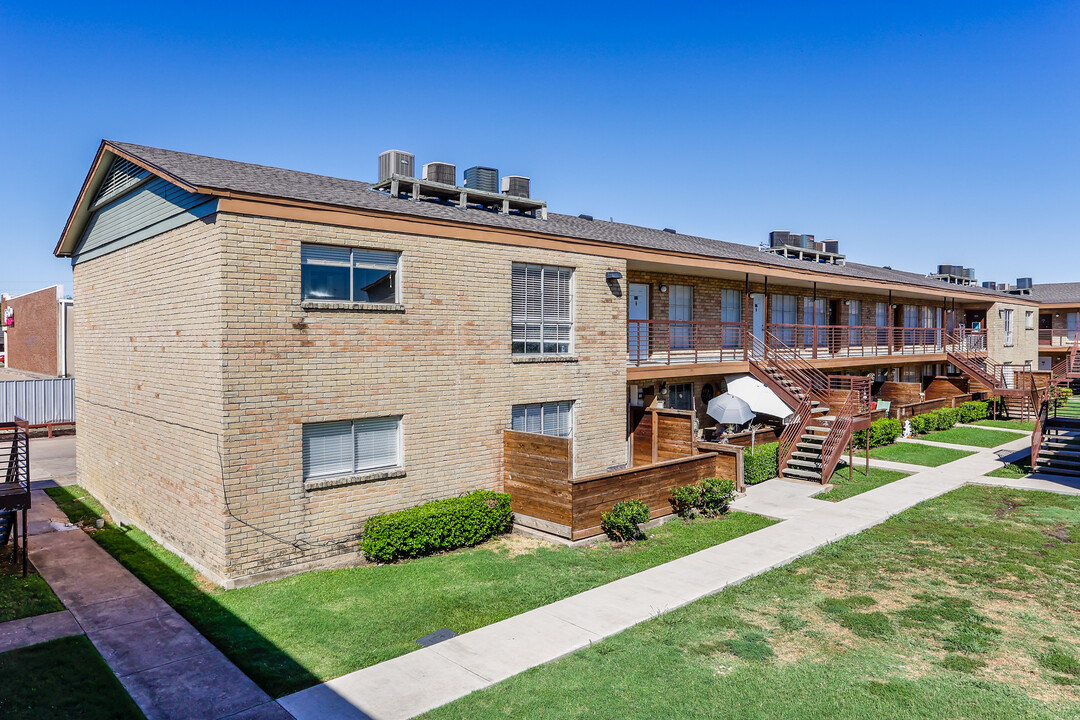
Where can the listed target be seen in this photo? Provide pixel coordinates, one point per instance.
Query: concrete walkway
(428, 678)
(15, 634)
(169, 669)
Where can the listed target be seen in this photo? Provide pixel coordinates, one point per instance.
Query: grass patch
(975, 437)
(917, 454)
(64, 678)
(293, 633)
(23, 596)
(1013, 471)
(940, 612)
(848, 481)
(1026, 425)
(750, 645)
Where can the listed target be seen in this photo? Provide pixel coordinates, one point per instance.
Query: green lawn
(976, 437)
(847, 483)
(966, 606)
(1007, 424)
(22, 597)
(61, 679)
(1014, 471)
(293, 633)
(1071, 409)
(918, 454)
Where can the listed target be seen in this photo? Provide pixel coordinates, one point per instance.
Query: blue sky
(914, 133)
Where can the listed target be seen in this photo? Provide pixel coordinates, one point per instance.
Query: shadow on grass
(190, 594)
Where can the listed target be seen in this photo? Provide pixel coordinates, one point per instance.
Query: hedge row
(711, 496)
(436, 526)
(761, 463)
(882, 432)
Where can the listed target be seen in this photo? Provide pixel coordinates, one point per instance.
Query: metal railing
(15, 484)
(675, 342)
(1058, 337)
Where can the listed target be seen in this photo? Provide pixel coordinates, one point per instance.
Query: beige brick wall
(149, 392)
(1025, 347)
(444, 364)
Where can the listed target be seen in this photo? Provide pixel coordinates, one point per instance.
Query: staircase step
(801, 474)
(804, 455)
(1057, 462)
(809, 446)
(805, 464)
(820, 409)
(1063, 454)
(1058, 471)
(812, 437)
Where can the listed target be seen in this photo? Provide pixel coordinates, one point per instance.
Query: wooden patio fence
(544, 494)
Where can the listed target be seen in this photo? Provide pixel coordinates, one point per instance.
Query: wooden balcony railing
(1059, 337)
(671, 342)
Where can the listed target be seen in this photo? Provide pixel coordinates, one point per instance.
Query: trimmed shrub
(622, 522)
(716, 495)
(883, 431)
(712, 496)
(684, 499)
(761, 463)
(436, 526)
(973, 411)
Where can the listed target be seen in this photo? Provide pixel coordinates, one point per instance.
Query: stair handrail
(793, 431)
(839, 435)
(811, 381)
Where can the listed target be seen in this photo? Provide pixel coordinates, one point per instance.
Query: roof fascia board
(261, 205)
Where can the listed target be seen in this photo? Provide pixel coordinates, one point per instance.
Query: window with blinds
(542, 309)
(814, 315)
(854, 321)
(1007, 320)
(783, 313)
(351, 446)
(550, 418)
(350, 274)
(731, 302)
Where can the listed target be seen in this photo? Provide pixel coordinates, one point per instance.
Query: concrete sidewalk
(169, 669)
(428, 678)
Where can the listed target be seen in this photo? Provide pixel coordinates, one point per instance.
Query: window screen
(349, 274)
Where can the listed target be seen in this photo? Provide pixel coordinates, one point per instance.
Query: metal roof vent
(122, 175)
(445, 173)
(482, 178)
(585, 217)
(516, 185)
(396, 162)
(670, 230)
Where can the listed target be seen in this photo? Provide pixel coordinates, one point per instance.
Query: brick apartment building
(268, 357)
(37, 332)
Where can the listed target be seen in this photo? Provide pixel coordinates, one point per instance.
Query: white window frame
(356, 426)
(1008, 338)
(681, 310)
(1029, 320)
(854, 312)
(731, 310)
(543, 409)
(359, 259)
(524, 318)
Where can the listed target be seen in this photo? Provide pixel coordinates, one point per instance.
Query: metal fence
(50, 401)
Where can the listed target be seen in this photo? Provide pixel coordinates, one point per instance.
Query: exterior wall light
(614, 275)
(663, 288)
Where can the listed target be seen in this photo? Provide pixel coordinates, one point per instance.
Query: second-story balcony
(672, 342)
(1058, 337)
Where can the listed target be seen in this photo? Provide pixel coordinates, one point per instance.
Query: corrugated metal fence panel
(38, 402)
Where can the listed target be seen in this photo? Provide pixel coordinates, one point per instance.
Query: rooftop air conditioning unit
(969, 273)
(990, 285)
(807, 242)
(445, 173)
(1023, 283)
(517, 185)
(832, 246)
(482, 178)
(944, 269)
(396, 162)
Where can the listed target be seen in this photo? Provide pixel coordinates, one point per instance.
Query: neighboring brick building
(37, 332)
(268, 357)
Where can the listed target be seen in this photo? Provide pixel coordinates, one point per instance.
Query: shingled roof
(1055, 293)
(228, 175)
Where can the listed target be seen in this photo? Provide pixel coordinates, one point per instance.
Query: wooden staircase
(825, 407)
(967, 352)
(1055, 443)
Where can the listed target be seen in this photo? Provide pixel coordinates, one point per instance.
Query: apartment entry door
(757, 316)
(638, 332)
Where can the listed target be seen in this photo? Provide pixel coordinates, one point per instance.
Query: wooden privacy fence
(658, 434)
(538, 475)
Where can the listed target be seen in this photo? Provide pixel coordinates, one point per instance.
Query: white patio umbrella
(727, 409)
